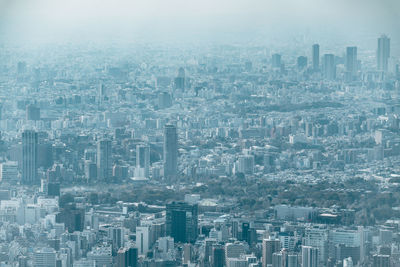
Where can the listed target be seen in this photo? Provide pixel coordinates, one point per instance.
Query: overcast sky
(184, 20)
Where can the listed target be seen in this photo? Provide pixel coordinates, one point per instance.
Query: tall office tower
(383, 53)
(142, 161)
(329, 67)
(301, 62)
(246, 164)
(351, 61)
(269, 247)
(276, 61)
(315, 57)
(72, 216)
(130, 257)
(180, 79)
(170, 151)
(116, 237)
(381, 260)
(143, 239)
(104, 164)
(181, 221)
(102, 92)
(309, 256)
(29, 157)
(44, 257)
(218, 256)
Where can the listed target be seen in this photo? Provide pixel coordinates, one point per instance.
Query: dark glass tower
(329, 67)
(218, 256)
(104, 164)
(315, 57)
(170, 151)
(383, 53)
(181, 221)
(351, 60)
(29, 157)
(180, 80)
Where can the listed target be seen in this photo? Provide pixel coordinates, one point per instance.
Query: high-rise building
(309, 256)
(269, 247)
(246, 164)
(180, 79)
(276, 61)
(170, 151)
(116, 237)
(329, 67)
(45, 257)
(104, 164)
(351, 61)
(218, 256)
(142, 160)
(182, 221)
(72, 216)
(301, 62)
(143, 239)
(315, 57)
(127, 257)
(383, 53)
(29, 157)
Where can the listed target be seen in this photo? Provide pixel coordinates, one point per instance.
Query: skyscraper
(104, 164)
(180, 79)
(182, 221)
(276, 61)
(142, 160)
(329, 67)
(383, 53)
(315, 57)
(269, 247)
(309, 256)
(142, 239)
(246, 164)
(170, 151)
(218, 256)
(301, 62)
(29, 157)
(351, 61)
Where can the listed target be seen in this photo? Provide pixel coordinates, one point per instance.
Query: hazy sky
(186, 20)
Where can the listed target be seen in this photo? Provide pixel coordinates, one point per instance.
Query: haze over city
(175, 133)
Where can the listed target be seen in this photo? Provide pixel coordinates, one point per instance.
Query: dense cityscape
(261, 152)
